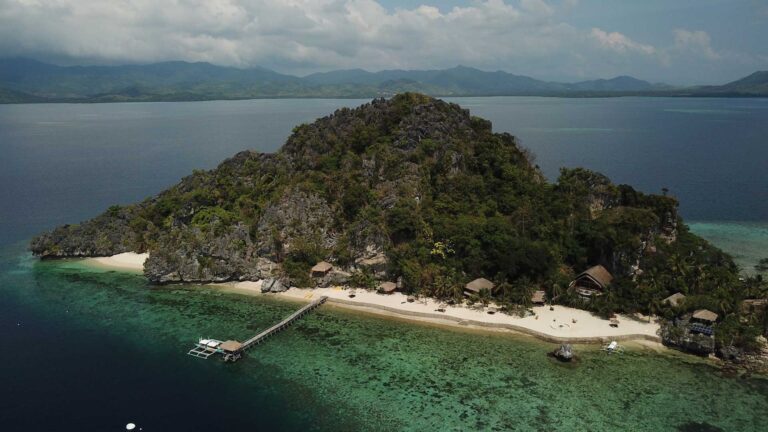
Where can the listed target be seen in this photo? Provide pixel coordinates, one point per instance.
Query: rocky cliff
(411, 188)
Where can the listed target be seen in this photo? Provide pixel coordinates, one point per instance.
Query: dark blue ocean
(89, 350)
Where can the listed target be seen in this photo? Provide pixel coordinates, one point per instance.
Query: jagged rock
(677, 334)
(354, 187)
(273, 285)
(298, 215)
(376, 265)
(731, 354)
(334, 278)
(564, 352)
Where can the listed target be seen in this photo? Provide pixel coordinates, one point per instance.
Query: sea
(88, 349)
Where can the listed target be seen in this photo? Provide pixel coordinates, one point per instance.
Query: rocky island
(416, 192)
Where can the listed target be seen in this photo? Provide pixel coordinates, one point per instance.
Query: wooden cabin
(539, 297)
(321, 269)
(750, 306)
(477, 285)
(593, 281)
(674, 300)
(387, 287)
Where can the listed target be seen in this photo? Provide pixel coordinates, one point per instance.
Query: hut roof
(479, 284)
(230, 345)
(538, 296)
(322, 267)
(755, 302)
(706, 315)
(387, 287)
(674, 299)
(599, 274)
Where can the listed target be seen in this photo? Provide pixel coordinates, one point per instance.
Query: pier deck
(233, 350)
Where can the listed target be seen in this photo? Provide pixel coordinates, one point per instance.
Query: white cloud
(620, 43)
(300, 36)
(695, 42)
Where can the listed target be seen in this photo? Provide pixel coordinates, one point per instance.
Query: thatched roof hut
(321, 269)
(387, 287)
(675, 299)
(704, 315)
(592, 281)
(230, 346)
(478, 285)
(539, 297)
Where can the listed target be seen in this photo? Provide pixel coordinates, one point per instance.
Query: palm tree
(524, 289)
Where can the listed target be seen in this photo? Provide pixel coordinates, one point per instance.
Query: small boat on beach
(613, 347)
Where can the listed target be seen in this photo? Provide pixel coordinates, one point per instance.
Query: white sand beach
(561, 324)
(124, 261)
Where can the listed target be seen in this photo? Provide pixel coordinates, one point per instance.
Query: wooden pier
(233, 350)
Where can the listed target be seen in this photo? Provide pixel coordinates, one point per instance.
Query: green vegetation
(29, 81)
(446, 200)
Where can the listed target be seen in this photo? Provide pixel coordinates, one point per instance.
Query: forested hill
(24, 80)
(34, 81)
(415, 190)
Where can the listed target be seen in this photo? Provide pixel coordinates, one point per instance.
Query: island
(416, 196)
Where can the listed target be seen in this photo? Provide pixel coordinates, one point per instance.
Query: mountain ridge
(27, 80)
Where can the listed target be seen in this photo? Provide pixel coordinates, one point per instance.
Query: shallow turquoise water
(342, 370)
(747, 242)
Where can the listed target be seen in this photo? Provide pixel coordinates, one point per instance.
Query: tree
(762, 266)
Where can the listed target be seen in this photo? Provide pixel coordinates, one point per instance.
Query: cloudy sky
(674, 41)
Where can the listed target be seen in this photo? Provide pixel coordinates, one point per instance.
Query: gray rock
(274, 285)
(564, 352)
(334, 277)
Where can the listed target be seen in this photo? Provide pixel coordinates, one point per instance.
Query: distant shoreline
(36, 101)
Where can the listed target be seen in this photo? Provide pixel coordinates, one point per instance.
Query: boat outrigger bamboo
(232, 350)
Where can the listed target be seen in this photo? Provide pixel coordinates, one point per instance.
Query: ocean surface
(92, 350)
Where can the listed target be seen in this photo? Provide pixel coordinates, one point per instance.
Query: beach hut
(321, 269)
(230, 346)
(675, 299)
(387, 287)
(539, 297)
(704, 316)
(593, 281)
(750, 306)
(478, 285)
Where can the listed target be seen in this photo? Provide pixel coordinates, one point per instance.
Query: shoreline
(127, 261)
(561, 324)
(553, 326)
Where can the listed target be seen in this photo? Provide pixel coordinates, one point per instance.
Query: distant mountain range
(24, 80)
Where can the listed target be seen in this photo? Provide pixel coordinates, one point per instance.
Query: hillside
(183, 81)
(415, 190)
(755, 84)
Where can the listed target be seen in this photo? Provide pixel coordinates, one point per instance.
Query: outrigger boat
(613, 347)
(205, 348)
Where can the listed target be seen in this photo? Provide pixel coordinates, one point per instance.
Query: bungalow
(701, 322)
(539, 297)
(750, 306)
(321, 269)
(674, 300)
(592, 282)
(704, 316)
(477, 285)
(387, 287)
